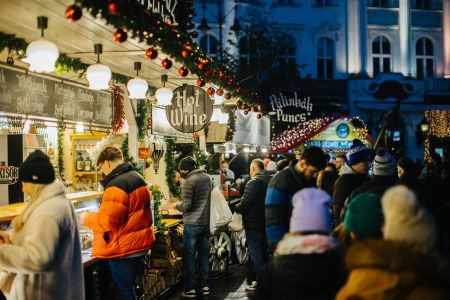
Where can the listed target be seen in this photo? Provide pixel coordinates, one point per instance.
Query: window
(209, 45)
(325, 65)
(247, 52)
(378, 3)
(381, 55)
(287, 2)
(422, 4)
(287, 62)
(424, 58)
(324, 2)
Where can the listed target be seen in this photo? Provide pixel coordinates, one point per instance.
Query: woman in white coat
(41, 257)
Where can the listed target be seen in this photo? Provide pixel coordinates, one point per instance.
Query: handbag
(236, 223)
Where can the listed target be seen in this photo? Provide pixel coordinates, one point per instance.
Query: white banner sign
(251, 130)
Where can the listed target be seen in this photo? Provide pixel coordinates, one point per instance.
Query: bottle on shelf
(51, 151)
(87, 165)
(79, 163)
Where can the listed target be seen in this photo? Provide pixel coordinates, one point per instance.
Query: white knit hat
(406, 220)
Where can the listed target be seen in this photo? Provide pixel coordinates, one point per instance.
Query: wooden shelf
(86, 173)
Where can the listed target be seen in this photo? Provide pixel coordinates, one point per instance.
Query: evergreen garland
(61, 127)
(142, 118)
(231, 125)
(156, 197)
(200, 157)
(171, 168)
(126, 157)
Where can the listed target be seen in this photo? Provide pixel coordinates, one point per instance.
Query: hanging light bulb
(164, 95)
(137, 87)
(98, 75)
(42, 54)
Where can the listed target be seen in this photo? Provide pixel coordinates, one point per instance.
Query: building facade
(391, 55)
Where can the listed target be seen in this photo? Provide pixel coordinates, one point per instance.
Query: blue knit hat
(358, 153)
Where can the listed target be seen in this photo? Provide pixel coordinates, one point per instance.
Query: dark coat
(279, 201)
(302, 277)
(383, 269)
(378, 184)
(343, 188)
(410, 180)
(252, 202)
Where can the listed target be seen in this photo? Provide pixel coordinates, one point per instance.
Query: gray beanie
(384, 164)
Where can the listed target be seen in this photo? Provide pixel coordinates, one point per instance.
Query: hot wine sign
(191, 109)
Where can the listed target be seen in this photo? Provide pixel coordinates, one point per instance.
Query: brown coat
(387, 270)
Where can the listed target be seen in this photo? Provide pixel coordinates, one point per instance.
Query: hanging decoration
(157, 196)
(151, 53)
(127, 158)
(183, 71)
(166, 63)
(74, 13)
(171, 168)
(142, 119)
(210, 91)
(200, 82)
(61, 129)
(120, 36)
(186, 52)
(200, 157)
(118, 108)
(157, 149)
(231, 125)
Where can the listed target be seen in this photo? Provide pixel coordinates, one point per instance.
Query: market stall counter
(98, 283)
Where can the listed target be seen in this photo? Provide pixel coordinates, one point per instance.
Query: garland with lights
(61, 128)
(171, 168)
(199, 156)
(127, 158)
(231, 125)
(133, 19)
(118, 109)
(142, 119)
(156, 197)
(439, 127)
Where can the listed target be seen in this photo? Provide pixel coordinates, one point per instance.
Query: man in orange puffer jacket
(122, 225)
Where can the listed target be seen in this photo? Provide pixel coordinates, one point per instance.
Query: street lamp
(204, 27)
(424, 125)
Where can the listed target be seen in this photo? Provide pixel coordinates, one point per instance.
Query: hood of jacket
(427, 267)
(264, 176)
(346, 169)
(195, 171)
(120, 169)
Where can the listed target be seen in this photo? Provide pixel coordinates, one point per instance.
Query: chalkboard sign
(22, 93)
(191, 109)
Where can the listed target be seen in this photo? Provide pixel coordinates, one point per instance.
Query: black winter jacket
(252, 202)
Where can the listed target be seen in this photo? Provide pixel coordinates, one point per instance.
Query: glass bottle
(87, 164)
(80, 163)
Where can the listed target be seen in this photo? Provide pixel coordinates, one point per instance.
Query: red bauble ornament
(244, 106)
(254, 108)
(239, 103)
(194, 34)
(230, 82)
(201, 82)
(115, 7)
(238, 90)
(259, 116)
(166, 63)
(221, 75)
(74, 13)
(227, 96)
(183, 71)
(120, 36)
(219, 92)
(151, 53)
(210, 91)
(186, 52)
(209, 72)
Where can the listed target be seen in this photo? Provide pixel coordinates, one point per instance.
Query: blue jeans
(124, 272)
(257, 248)
(196, 238)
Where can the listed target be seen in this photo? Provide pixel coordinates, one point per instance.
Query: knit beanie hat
(406, 220)
(310, 211)
(364, 216)
(384, 164)
(315, 157)
(187, 164)
(36, 168)
(358, 153)
(406, 164)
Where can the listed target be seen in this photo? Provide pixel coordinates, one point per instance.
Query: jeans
(258, 250)
(124, 272)
(196, 238)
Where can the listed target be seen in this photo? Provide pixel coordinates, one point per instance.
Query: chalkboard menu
(22, 93)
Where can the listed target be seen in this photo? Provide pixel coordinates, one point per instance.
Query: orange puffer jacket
(122, 225)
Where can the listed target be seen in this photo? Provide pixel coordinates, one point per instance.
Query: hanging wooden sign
(191, 109)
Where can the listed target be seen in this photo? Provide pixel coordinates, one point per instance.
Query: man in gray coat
(195, 205)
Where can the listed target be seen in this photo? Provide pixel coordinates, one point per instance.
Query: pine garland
(200, 157)
(61, 127)
(156, 197)
(231, 125)
(142, 118)
(171, 168)
(127, 158)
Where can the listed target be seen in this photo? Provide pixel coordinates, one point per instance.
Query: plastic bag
(236, 222)
(220, 215)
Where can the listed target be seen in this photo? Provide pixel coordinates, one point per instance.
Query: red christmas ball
(227, 96)
(210, 91)
(115, 7)
(183, 71)
(186, 52)
(166, 63)
(151, 53)
(219, 92)
(194, 34)
(254, 108)
(120, 36)
(221, 75)
(74, 13)
(201, 82)
(238, 90)
(209, 72)
(231, 82)
(239, 103)
(244, 106)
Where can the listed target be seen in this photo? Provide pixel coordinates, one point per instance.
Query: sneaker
(251, 287)
(188, 294)
(205, 290)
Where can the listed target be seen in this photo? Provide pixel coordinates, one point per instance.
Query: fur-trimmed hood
(427, 268)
